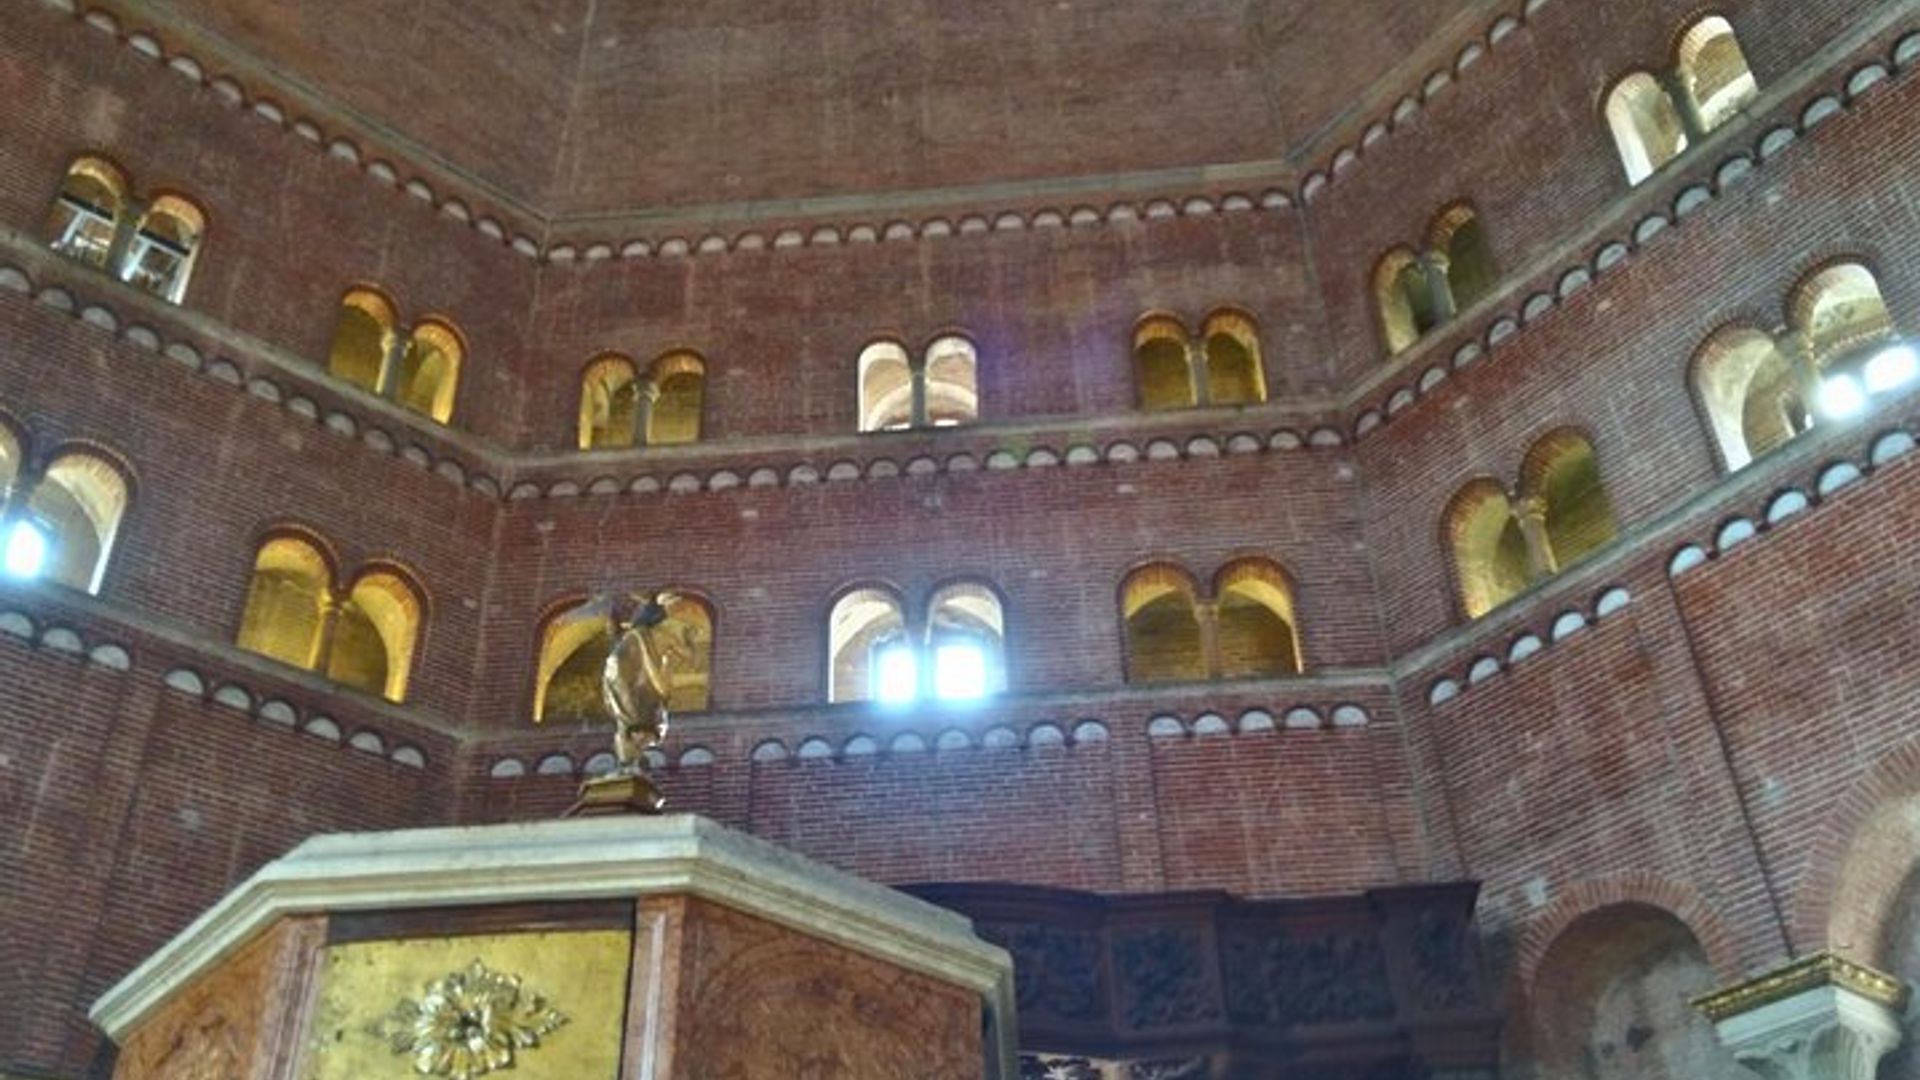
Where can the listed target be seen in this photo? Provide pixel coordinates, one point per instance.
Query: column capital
(1822, 1017)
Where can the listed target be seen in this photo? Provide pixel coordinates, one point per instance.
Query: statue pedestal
(621, 793)
(612, 948)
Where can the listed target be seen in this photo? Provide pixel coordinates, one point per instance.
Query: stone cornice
(1822, 969)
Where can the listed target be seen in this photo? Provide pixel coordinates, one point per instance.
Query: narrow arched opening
(78, 504)
(1750, 393)
(1647, 129)
(886, 388)
(951, 374)
(1458, 240)
(86, 212)
(1713, 71)
(430, 371)
(868, 655)
(165, 243)
(1562, 472)
(1160, 609)
(363, 339)
(679, 383)
(609, 404)
(1234, 372)
(375, 630)
(1492, 560)
(287, 601)
(1257, 633)
(1163, 369)
(966, 641)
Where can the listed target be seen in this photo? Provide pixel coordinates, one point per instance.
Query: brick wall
(1715, 747)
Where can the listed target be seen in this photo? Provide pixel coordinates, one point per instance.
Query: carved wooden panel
(1380, 986)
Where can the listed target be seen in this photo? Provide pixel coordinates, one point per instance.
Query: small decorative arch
(1160, 608)
(1750, 392)
(363, 338)
(869, 656)
(165, 243)
(950, 374)
(1256, 633)
(77, 506)
(886, 387)
(87, 211)
(1235, 375)
(677, 384)
(429, 371)
(1461, 253)
(609, 403)
(1162, 367)
(1713, 71)
(1493, 559)
(1647, 128)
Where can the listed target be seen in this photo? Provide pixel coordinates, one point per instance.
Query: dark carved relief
(1281, 980)
(1209, 987)
(1056, 971)
(1199, 1068)
(1442, 972)
(1048, 1067)
(1163, 978)
(1396, 1069)
(1055, 1067)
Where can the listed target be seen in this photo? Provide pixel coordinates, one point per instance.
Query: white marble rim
(581, 859)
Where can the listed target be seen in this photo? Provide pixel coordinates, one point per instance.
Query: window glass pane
(25, 553)
(895, 674)
(960, 671)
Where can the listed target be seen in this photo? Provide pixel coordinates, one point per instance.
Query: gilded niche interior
(1558, 514)
(1222, 367)
(361, 635)
(420, 372)
(1246, 628)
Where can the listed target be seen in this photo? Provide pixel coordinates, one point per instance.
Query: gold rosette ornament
(468, 1023)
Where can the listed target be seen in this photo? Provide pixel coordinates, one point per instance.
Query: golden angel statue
(650, 648)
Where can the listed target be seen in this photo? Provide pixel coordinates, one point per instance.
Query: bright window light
(896, 678)
(1892, 368)
(1841, 397)
(960, 672)
(25, 555)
